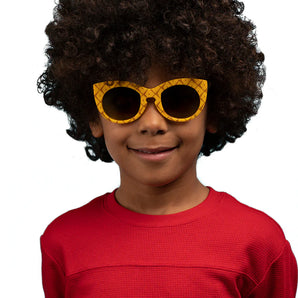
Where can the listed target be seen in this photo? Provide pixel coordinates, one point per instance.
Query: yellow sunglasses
(178, 100)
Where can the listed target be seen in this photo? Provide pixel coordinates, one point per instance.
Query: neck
(171, 198)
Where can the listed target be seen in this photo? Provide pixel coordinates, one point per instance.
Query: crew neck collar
(138, 219)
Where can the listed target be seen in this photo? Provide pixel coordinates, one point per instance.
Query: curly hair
(95, 40)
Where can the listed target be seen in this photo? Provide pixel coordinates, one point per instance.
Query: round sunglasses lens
(180, 101)
(121, 103)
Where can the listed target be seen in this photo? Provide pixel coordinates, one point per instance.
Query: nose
(152, 122)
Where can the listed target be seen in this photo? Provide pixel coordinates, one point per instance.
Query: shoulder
(75, 222)
(257, 239)
(249, 220)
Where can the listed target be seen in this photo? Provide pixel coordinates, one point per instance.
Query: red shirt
(220, 248)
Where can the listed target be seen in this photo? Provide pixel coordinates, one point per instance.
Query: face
(153, 150)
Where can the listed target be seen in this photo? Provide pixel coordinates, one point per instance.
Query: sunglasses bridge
(150, 99)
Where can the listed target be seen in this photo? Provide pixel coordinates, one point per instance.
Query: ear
(96, 128)
(211, 128)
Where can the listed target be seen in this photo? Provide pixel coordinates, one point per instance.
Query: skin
(163, 181)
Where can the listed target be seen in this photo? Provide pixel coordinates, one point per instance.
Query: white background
(45, 173)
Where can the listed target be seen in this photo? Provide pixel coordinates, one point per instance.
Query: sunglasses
(178, 100)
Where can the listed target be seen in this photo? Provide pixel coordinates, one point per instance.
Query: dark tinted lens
(121, 103)
(180, 101)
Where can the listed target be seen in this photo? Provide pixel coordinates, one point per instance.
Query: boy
(151, 85)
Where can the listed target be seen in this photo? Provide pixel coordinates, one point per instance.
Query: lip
(155, 153)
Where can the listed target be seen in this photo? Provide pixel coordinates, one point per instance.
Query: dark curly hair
(98, 40)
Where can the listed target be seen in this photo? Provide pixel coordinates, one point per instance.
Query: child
(152, 85)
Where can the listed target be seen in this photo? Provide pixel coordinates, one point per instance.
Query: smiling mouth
(154, 150)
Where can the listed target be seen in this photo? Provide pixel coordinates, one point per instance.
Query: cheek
(112, 145)
(110, 141)
(195, 130)
(115, 139)
(193, 137)
(194, 140)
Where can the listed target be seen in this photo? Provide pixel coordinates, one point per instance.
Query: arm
(280, 280)
(53, 277)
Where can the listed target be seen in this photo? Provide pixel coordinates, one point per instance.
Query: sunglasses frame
(200, 85)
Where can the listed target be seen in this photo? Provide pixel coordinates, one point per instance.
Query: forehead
(157, 74)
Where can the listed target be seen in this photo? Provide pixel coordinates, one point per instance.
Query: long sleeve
(280, 280)
(53, 278)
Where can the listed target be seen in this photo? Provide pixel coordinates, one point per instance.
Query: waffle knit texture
(220, 248)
